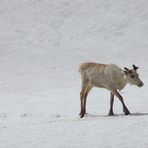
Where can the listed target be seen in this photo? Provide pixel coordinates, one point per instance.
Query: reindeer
(110, 77)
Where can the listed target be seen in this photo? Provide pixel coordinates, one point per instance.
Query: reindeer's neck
(125, 79)
(124, 82)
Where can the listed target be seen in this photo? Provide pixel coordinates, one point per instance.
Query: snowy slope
(42, 42)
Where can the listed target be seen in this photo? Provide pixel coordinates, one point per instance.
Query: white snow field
(42, 43)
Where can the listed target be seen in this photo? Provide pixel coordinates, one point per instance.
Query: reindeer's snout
(140, 84)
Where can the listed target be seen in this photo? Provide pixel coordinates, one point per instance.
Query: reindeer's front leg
(111, 113)
(125, 109)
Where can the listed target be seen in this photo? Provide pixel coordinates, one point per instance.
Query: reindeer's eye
(130, 71)
(132, 76)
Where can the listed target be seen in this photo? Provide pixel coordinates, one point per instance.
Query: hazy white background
(42, 43)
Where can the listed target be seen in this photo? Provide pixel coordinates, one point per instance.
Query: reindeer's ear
(135, 67)
(126, 68)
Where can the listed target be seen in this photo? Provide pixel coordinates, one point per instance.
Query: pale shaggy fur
(101, 75)
(110, 77)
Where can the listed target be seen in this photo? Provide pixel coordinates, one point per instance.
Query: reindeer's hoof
(110, 114)
(126, 112)
(82, 115)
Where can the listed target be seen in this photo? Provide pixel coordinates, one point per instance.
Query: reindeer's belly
(100, 82)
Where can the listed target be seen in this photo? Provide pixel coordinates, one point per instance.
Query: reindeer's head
(133, 76)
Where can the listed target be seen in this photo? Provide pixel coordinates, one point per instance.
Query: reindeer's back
(91, 67)
(102, 75)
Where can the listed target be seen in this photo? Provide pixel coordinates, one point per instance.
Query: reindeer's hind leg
(111, 113)
(85, 97)
(82, 99)
(82, 93)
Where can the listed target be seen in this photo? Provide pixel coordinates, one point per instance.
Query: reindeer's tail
(81, 68)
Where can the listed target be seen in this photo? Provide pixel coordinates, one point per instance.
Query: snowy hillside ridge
(42, 43)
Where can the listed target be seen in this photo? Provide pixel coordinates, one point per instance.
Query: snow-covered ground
(42, 43)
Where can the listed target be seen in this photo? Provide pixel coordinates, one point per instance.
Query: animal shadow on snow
(139, 114)
(115, 115)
